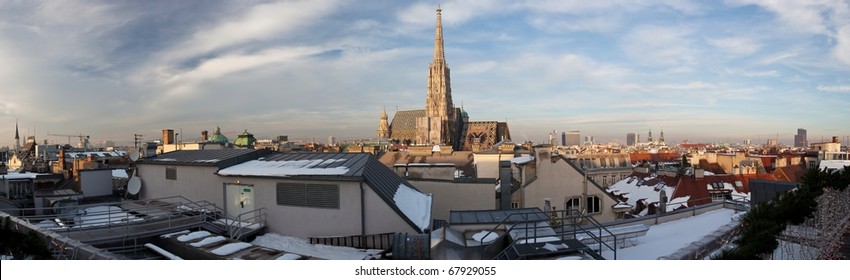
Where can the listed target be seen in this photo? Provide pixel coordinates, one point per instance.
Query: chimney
(205, 136)
(505, 184)
(662, 201)
(699, 173)
(167, 136)
(62, 159)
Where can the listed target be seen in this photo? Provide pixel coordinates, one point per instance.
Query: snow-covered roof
(667, 238)
(522, 160)
(414, 204)
(15, 175)
(286, 168)
(629, 187)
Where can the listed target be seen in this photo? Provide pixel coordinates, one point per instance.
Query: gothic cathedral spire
(438, 102)
(17, 138)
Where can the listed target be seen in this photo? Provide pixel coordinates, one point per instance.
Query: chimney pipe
(505, 184)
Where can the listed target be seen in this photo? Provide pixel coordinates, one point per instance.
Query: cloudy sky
(699, 70)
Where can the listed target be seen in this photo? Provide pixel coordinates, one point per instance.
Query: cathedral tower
(383, 125)
(438, 125)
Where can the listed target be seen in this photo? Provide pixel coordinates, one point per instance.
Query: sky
(703, 71)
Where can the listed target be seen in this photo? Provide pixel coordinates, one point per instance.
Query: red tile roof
(791, 173)
(659, 157)
(697, 189)
(711, 167)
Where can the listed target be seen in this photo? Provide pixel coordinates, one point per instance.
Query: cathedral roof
(403, 125)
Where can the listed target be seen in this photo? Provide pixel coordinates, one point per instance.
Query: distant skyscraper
(801, 140)
(563, 138)
(649, 137)
(662, 137)
(331, 140)
(631, 139)
(573, 138)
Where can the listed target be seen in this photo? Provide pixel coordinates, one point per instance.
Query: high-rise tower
(438, 124)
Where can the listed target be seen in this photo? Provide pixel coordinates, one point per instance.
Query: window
(573, 203)
(171, 173)
(604, 180)
(514, 204)
(594, 205)
(308, 195)
(720, 196)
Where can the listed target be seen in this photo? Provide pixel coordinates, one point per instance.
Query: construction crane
(84, 139)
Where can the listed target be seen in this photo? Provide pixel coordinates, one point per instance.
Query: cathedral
(441, 123)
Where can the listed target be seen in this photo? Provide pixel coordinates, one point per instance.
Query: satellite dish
(134, 154)
(134, 185)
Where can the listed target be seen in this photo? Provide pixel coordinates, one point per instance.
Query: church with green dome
(217, 137)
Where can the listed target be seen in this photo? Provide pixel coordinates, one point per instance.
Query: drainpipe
(362, 208)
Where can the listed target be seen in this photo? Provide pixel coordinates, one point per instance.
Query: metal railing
(122, 220)
(380, 241)
(246, 223)
(555, 227)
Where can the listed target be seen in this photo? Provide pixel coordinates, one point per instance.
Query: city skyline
(701, 71)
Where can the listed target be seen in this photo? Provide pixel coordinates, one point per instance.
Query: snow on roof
(414, 204)
(120, 173)
(193, 235)
(285, 168)
(289, 256)
(15, 175)
(302, 247)
(666, 238)
(230, 248)
(208, 241)
(485, 236)
(522, 160)
(103, 215)
(636, 192)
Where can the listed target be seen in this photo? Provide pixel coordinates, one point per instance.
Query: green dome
(217, 137)
(245, 140)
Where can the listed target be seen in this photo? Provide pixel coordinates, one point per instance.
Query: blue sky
(699, 70)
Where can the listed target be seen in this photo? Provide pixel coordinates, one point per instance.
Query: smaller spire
(17, 136)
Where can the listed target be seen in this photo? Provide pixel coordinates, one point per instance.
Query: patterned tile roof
(403, 125)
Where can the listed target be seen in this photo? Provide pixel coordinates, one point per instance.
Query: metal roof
(362, 166)
(219, 158)
(475, 217)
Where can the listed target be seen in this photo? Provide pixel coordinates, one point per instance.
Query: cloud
(841, 51)
(837, 88)
(259, 23)
(558, 23)
(608, 6)
(476, 67)
(816, 16)
(454, 12)
(660, 45)
(736, 46)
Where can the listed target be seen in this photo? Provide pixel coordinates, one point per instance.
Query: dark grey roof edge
(386, 183)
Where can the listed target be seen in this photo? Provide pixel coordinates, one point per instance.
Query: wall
(559, 181)
(426, 171)
(487, 164)
(96, 182)
(728, 161)
(200, 183)
(193, 182)
(448, 196)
